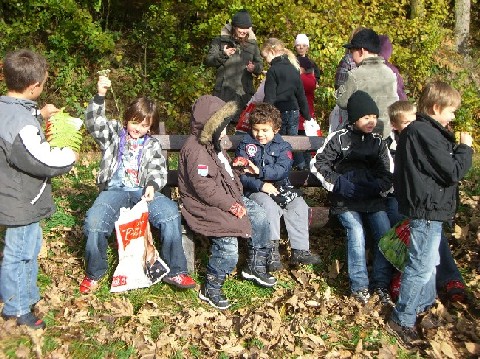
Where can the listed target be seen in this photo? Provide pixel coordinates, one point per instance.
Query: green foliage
(62, 130)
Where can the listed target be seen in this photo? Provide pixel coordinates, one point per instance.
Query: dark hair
(22, 68)
(142, 109)
(438, 93)
(266, 113)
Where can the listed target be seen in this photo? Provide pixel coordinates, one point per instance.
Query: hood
(24, 102)
(386, 47)
(227, 31)
(208, 114)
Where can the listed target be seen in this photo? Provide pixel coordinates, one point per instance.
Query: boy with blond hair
(27, 164)
(428, 166)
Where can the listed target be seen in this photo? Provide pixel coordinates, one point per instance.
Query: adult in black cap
(371, 75)
(236, 56)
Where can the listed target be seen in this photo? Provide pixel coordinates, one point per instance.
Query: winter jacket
(386, 50)
(284, 88)
(309, 85)
(376, 79)
(273, 159)
(428, 167)
(233, 81)
(109, 134)
(27, 162)
(207, 190)
(361, 158)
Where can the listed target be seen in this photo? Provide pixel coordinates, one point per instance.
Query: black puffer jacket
(428, 167)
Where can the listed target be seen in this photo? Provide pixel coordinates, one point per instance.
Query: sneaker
(214, 297)
(455, 290)
(29, 319)
(88, 285)
(304, 257)
(361, 295)
(182, 281)
(384, 296)
(263, 279)
(157, 271)
(407, 337)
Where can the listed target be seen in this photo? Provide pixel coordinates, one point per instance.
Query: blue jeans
(224, 250)
(357, 262)
(447, 270)
(18, 276)
(417, 291)
(100, 222)
(290, 122)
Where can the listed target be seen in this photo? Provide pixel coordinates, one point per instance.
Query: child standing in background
(428, 167)
(272, 160)
(132, 168)
(27, 164)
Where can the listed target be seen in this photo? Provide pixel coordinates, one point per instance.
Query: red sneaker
(88, 285)
(455, 291)
(183, 281)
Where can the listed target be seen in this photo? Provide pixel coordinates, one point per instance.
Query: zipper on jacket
(39, 193)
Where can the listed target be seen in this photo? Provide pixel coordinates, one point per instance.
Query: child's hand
(251, 168)
(103, 84)
(238, 210)
(466, 138)
(240, 162)
(48, 111)
(270, 189)
(149, 194)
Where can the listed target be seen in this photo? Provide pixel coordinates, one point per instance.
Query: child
(302, 45)
(371, 76)
(448, 277)
(27, 164)
(272, 160)
(132, 168)
(428, 167)
(214, 205)
(283, 86)
(354, 166)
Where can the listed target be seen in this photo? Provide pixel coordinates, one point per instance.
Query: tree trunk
(462, 25)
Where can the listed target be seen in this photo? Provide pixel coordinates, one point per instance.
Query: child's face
(268, 56)
(138, 129)
(443, 116)
(301, 49)
(263, 132)
(367, 123)
(404, 120)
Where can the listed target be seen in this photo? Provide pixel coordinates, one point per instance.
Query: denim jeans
(357, 262)
(447, 270)
(290, 122)
(100, 222)
(417, 291)
(18, 276)
(224, 250)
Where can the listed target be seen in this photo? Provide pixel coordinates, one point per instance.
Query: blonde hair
(438, 93)
(278, 48)
(398, 109)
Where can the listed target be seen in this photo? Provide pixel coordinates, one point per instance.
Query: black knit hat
(365, 39)
(361, 104)
(242, 19)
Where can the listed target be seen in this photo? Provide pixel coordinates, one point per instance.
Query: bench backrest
(174, 143)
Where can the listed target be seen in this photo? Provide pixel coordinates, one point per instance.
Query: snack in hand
(63, 130)
(240, 162)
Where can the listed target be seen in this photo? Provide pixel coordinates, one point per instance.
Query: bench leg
(188, 248)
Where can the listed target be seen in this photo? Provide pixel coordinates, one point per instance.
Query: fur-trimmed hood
(227, 30)
(208, 113)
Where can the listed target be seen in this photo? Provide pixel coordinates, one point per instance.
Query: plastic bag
(243, 124)
(133, 238)
(394, 244)
(312, 128)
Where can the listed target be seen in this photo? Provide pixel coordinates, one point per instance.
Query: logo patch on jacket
(251, 150)
(290, 155)
(202, 170)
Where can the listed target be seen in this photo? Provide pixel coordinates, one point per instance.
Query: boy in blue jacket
(268, 184)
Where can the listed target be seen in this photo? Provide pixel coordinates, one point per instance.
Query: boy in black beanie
(354, 165)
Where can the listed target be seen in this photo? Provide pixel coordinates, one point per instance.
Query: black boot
(256, 268)
(273, 260)
(211, 292)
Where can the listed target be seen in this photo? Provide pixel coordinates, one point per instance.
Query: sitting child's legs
(357, 264)
(448, 276)
(18, 277)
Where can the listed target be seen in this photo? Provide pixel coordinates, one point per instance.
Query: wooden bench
(173, 144)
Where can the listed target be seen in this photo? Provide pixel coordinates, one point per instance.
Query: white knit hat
(302, 39)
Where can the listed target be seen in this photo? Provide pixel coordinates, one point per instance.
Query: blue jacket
(274, 160)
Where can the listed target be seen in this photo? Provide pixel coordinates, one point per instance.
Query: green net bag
(394, 244)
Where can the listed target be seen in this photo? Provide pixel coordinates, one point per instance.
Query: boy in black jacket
(428, 167)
